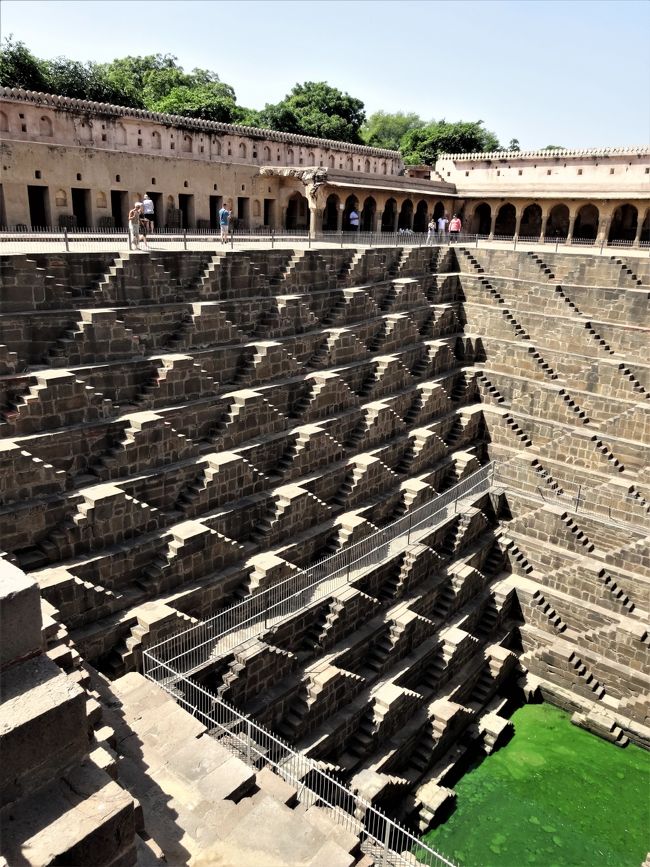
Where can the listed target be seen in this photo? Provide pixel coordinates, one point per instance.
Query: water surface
(555, 796)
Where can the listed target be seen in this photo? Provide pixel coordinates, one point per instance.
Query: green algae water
(554, 796)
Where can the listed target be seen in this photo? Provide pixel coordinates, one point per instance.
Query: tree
(553, 148)
(207, 101)
(514, 145)
(385, 130)
(135, 77)
(423, 145)
(316, 109)
(19, 67)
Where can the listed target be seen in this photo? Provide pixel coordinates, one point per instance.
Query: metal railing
(194, 648)
(386, 841)
(23, 239)
(579, 499)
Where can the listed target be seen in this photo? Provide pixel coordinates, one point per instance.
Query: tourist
(442, 227)
(454, 228)
(134, 226)
(431, 231)
(354, 220)
(224, 222)
(148, 211)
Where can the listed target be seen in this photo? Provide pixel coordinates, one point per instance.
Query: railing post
(386, 844)
(185, 239)
(248, 741)
(272, 238)
(408, 538)
(65, 239)
(232, 240)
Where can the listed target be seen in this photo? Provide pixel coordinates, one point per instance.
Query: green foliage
(385, 130)
(131, 76)
(423, 145)
(316, 109)
(553, 148)
(19, 67)
(514, 145)
(205, 101)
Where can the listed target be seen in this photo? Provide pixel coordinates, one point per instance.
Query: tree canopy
(424, 144)
(385, 130)
(316, 109)
(158, 83)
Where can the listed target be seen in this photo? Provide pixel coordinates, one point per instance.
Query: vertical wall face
(188, 429)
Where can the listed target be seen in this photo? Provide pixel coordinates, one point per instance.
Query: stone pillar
(396, 220)
(339, 218)
(604, 219)
(379, 215)
(315, 221)
(572, 219)
(493, 221)
(519, 213)
(545, 212)
(640, 220)
(411, 218)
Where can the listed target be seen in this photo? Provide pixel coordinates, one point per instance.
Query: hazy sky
(567, 72)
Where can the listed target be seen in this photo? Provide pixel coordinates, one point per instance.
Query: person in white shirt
(442, 227)
(148, 211)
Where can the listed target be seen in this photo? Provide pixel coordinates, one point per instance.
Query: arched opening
(100, 199)
(297, 212)
(388, 217)
(368, 215)
(349, 164)
(351, 204)
(4, 122)
(242, 150)
(290, 157)
(187, 144)
(623, 225)
(366, 166)
(482, 219)
(557, 224)
(331, 213)
(311, 159)
(120, 134)
(45, 126)
(267, 154)
(61, 199)
(421, 217)
(439, 210)
(506, 221)
(585, 226)
(331, 161)
(405, 220)
(156, 142)
(531, 222)
(384, 169)
(645, 229)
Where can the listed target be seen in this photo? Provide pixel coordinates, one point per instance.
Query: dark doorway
(623, 226)
(405, 220)
(531, 222)
(243, 213)
(420, 220)
(269, 213)
(297, 212)
(368, 215)
(482, 220)
(331, 213)
(215, 206)
(119, 208)
(438, 211)
(506, 221)
(81, 206)
(557, 224)
(186, 207)
(388, 217)
(38, 207)
(585, 226)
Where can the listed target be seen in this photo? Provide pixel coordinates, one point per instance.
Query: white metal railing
(192, 649)
(85, 240)
(629, 512)
(386, 841)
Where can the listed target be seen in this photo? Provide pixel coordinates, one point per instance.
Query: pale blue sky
(573, 73)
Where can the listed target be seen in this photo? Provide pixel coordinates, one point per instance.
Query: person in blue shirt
(224, 223)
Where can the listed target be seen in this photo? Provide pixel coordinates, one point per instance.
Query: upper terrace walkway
(94, 241)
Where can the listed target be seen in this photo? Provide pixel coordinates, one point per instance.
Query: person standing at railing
(431, 231)
(134, 226)
(442, 228)
(455, 227)
(148, 211)
(224, 222)
(354, 220)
